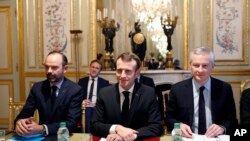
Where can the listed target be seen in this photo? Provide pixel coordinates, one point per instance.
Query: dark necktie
(91, 89)
(202, 113)
(53, 95)
(125, 108)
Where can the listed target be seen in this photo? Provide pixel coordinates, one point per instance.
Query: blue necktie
(202, 113)
(125, 108)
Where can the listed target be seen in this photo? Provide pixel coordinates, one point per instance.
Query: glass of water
(2, 135)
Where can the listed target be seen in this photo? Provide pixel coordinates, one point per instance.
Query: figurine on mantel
(177, 64)
(161, 63)
(152, 64)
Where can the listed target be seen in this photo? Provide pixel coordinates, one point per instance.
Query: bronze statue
(138, 42)
(109, 32)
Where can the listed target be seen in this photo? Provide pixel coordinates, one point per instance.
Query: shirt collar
(90, 78)
(207, 85)
(130, 90)
(57, 84)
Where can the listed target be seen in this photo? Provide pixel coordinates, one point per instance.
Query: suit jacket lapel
(214, 92)
(47, 94)
(99, 84)
(116, 100)
(61, 95)
(137, 92)
(85, 87)
(190, 97)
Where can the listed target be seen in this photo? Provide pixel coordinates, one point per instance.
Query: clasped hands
(88, 103)
(213, 131)
(122, 134)
(27, 126)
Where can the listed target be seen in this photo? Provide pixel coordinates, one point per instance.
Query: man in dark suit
(202, 104)
(145, 80)
(57, 99)
(245, 110)
(89, 94)
(126, 110)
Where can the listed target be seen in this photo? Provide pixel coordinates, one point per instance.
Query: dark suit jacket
(245, 109)
(147, 81)
(83, 82)
(67, 106)
(144, 112)
(180, 106)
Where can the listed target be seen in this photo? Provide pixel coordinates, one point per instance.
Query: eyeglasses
(127, 72)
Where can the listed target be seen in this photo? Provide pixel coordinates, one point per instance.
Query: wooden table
(88, 137)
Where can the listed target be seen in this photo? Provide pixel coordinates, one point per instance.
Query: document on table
(197, 137)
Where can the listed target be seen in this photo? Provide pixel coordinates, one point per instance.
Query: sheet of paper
(103, 139)
(197, 137)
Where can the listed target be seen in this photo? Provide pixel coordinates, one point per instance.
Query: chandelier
(151, 13)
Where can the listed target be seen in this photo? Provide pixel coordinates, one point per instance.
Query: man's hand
(127, 134)
(27, 127)
(186, 130)
(114, 137)
(214, 130)
(88, 103)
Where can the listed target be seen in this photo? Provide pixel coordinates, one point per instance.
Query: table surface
(89, 137)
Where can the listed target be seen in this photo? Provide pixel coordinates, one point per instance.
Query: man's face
(201, 68)
(126, 73)
(54, 68)
(94, 69)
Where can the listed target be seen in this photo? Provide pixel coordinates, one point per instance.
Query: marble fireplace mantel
(159, 76)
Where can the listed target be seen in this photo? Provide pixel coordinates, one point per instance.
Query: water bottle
(177, 135)
(63, 132)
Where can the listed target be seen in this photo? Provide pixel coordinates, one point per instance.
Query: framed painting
(230, 36)
(56, 26)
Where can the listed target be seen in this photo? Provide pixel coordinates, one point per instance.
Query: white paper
(197, 137)
(103, 139)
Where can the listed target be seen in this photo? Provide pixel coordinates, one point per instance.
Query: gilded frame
(229, 41)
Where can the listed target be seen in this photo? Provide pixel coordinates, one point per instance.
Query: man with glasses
(127, 110)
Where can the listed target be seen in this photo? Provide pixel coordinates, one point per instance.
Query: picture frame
(56, 27)
(230, 41)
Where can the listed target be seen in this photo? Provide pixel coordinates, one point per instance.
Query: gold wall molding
(20, 40)
(6, 60)
(7, 91)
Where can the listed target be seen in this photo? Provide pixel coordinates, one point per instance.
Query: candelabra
(168, 26)
(109, 27)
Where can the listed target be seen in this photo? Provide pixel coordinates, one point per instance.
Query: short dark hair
(96, 61)
(128, 56)
(64, 57)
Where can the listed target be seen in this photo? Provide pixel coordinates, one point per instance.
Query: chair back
(83, 118)
(244, 85)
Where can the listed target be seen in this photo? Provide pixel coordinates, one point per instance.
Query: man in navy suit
(62, 104)
(95, 68)
(245, 110)
(127, 110)
(145, 80)
(202, 103)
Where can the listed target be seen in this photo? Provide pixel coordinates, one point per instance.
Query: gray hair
(202, 50)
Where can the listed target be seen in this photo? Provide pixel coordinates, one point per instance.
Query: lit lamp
(168, 26)
(109, 28)
(158, 15)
